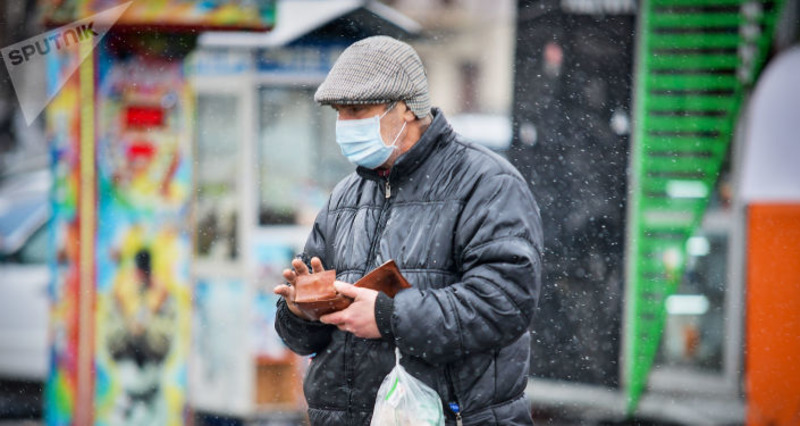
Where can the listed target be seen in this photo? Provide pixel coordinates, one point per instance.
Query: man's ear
(408, 115)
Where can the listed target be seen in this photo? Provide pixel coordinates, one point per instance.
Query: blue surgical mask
(361, 141)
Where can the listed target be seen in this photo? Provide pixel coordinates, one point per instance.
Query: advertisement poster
(143, 303)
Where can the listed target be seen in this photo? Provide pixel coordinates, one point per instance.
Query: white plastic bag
(405, 401)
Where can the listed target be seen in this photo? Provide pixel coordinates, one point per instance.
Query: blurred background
(179, 160)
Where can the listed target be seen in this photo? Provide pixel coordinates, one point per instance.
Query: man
(462, 226)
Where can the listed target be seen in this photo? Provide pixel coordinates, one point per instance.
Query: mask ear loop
(391, 107)
(394, 142)
(393, 145)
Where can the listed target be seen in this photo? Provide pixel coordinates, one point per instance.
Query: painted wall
(140, 310)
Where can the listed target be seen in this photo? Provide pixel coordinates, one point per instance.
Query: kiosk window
(299, 161)
(216, 169)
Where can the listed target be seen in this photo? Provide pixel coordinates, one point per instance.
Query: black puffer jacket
(464, 229)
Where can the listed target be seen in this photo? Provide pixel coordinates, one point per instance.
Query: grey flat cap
(374, 70)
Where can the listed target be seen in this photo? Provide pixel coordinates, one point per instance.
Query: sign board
(257, 15)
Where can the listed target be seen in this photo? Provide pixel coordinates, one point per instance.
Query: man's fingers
(316, 265)
(346, 289)
(282, 290)
(288, 295)
(299, 267)
(334, 318)
(289, 275)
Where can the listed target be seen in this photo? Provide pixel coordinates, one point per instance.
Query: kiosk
(121, 131)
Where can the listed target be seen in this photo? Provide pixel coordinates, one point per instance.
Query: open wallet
(315, 295)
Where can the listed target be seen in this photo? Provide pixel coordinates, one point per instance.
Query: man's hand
(359, 317)
(287, 291)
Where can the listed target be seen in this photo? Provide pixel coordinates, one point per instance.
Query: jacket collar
(421, 151)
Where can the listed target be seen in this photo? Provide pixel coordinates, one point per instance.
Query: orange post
(773, 314)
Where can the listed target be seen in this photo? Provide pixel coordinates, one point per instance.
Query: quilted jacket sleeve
(300, 335)
(498, 245)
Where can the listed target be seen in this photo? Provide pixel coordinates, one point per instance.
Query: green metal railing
(695, 61)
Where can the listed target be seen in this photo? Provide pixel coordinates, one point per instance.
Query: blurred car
(24, 276)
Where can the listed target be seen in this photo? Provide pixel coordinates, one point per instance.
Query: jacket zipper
(453, 405)
(370, 259)
(387, 192)
(457, 410)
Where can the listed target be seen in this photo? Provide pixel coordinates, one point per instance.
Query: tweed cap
(376, 70)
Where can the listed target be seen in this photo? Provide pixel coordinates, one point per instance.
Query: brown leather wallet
(386, 278)
(315, 295)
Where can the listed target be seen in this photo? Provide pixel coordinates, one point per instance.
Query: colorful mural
(143, 243)
(121, 133)
(138, 314)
